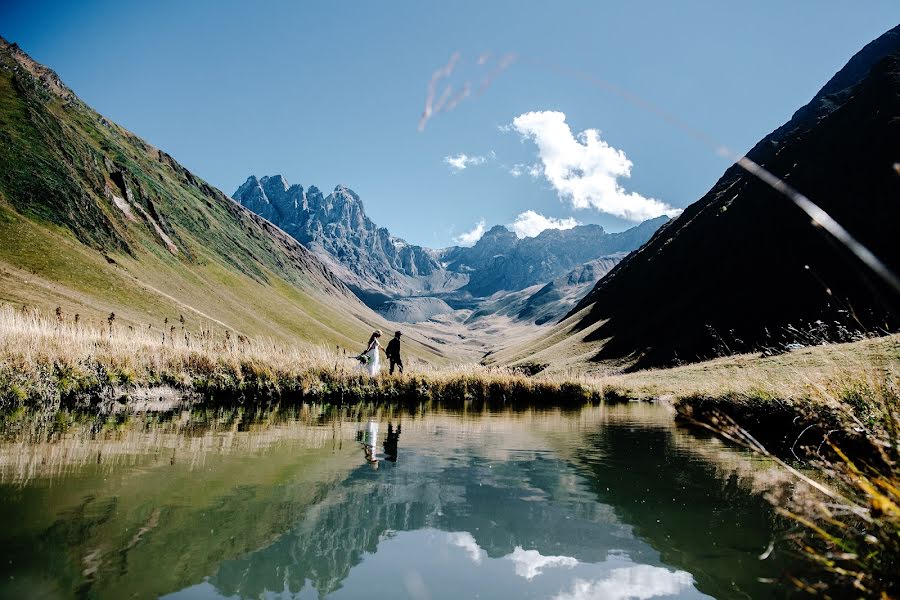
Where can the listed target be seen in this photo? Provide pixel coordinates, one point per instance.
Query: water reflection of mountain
(537, 504)
(656, 504)
(279, 504)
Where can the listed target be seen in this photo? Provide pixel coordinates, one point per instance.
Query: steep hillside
(742, 269)
(96, 221)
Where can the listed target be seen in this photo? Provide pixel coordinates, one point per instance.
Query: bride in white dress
(373, 363)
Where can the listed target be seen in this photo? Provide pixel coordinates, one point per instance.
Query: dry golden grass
(52, 357)
(44, 359)
(809, 372)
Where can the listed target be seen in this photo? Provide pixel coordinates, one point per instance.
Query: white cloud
(470, 237)
(530, 563)
(461, 161)
(585, 169)
(531, 223)
(630, 583)
(519, 169)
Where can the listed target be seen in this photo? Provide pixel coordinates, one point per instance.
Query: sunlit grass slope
(96, 221)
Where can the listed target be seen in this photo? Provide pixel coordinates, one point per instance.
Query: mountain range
(94, 220)
(375, 264)
(409, 282)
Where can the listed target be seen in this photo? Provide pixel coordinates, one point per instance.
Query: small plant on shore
(847, 511)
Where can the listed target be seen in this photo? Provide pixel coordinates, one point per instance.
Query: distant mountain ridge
(542, 304)
(380, 267)
(502, 261)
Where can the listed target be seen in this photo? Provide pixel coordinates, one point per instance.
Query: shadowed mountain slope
(96, 221)
(743, 269)
(540, 304)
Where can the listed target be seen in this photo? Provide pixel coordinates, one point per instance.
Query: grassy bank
(46, 361)
(791, 400)
(831, 416)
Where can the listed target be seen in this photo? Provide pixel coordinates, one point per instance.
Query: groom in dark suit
(393, 353)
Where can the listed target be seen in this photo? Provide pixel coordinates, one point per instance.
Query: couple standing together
(371, 360)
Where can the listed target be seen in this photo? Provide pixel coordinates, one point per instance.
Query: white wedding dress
(374, 365)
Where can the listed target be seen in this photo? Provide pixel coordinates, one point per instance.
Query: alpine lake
(608, 501)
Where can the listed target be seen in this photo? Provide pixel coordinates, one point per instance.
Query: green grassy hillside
(96, 221)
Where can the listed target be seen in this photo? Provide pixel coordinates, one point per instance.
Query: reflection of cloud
(637, 582)
(415, 586)
(529, 563)
(464, 540)
(470, 237)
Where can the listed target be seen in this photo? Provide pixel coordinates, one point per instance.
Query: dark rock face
(742, 269)
(501, 261)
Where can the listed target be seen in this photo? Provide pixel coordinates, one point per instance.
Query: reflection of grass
(48, 361)
(836, 409)
(847, 511)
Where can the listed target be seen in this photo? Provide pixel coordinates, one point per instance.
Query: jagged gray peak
(377, 264)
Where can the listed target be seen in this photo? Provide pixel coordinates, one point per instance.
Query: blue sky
(332, 92)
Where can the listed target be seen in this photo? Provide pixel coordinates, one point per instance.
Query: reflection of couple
(369, 440)
(370, 359)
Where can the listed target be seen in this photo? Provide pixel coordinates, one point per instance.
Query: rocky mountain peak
(498, 234)
(379, 266)
(336, 227)
(274, 183)
(344, 192)
(248, 186)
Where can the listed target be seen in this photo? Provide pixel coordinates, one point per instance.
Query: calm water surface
(608, 502)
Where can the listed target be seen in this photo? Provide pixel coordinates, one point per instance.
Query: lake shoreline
(832, 408)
